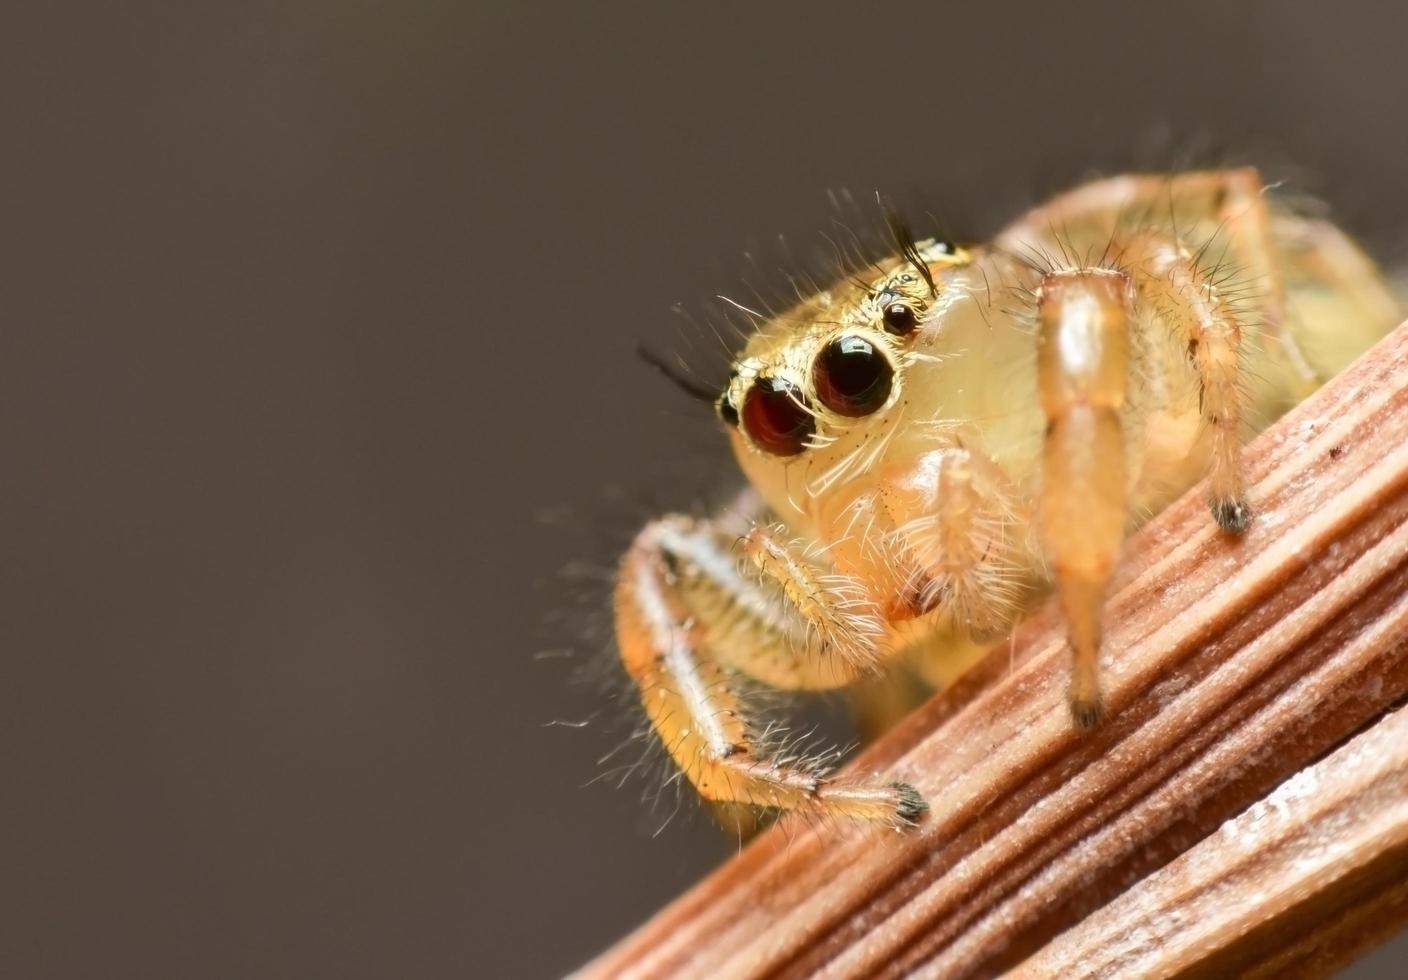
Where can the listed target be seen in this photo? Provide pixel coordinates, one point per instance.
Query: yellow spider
(938, 438)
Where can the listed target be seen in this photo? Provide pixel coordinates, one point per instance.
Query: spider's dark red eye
(852, 378)
(776, 417)
(900, 319)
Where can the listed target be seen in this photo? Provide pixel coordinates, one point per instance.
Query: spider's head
(824, 382)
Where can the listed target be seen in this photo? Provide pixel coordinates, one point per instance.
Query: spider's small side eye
(776, 417)
(726, 411)
(900, 319)
(852, 378)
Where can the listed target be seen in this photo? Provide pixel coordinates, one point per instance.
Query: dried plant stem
(1307, 862)
(1232, 664)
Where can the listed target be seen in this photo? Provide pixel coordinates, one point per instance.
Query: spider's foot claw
(1087, 710)
(911, 805)
(1233, 515)
(895, 804)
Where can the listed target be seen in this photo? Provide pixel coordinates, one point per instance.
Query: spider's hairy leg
(796, 625)
(1239, 202)
(684, 616)
(1083, 371)
(1167, 278)
(1245, 241)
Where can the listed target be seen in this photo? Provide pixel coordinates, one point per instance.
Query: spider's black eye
(776, 417)
(726, 410)
(900, 319)
(852, 378)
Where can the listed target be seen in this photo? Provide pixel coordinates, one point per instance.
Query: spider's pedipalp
(953, 517)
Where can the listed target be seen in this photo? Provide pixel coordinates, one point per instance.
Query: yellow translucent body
(974, 381)
(1048, 392)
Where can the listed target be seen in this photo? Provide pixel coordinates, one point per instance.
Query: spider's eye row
(777, 418)
(852, 377)
(900, 319)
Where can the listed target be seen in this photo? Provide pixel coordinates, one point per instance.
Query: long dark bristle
(690, 386)
(904, 241)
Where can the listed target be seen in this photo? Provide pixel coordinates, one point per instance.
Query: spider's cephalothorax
(936, 440)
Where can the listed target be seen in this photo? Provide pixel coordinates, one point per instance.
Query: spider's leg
(1083, 372)
(1239, 201)
(1245, 241)
(1167, 278)
(684, 615)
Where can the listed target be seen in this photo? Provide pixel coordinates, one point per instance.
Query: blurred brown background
(321, 426)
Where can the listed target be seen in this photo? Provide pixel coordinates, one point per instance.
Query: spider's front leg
(1085, 317)
(687, 617)
(1083, 373)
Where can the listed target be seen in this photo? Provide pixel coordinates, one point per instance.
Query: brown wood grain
(1321, 844)
(1231, 664)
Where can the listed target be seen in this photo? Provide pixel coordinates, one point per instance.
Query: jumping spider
(937, 439)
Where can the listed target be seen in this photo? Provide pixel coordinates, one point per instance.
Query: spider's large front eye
(776, 417)
(852, 377)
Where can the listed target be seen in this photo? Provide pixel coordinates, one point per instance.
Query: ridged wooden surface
(1269, 886)
(1230, 666)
